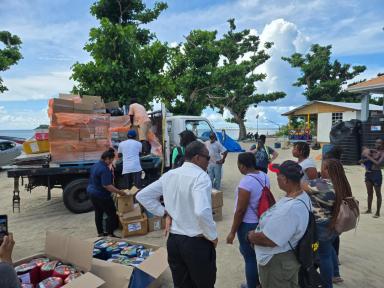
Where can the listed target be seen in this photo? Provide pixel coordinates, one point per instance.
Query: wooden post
(309, 121)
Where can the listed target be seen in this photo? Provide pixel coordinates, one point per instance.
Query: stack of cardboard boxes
(132, 220)
(78, 132)
(217, 205)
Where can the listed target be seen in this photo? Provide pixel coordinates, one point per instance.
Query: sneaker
(243, 285)
(367, 212)
(376, 216)
(336, 280)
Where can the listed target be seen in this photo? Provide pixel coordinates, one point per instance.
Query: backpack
(348, 215)
(306, 254)
(262, 158)
(266, 199)
(179, 160)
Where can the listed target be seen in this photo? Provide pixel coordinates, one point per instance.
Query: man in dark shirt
(100, 187)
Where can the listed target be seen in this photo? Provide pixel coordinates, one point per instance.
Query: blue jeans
(329, 266)
(214, 172)
(248, 252)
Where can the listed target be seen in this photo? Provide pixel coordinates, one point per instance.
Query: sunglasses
(205, 156)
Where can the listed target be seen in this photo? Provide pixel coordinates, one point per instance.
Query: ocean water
(17, 133)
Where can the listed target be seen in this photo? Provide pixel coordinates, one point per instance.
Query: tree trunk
(243, 130)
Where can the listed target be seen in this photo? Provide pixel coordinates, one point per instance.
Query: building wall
(324, 124)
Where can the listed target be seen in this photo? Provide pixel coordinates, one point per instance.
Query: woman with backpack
(247, 197)
(327, 194)
(186, 137)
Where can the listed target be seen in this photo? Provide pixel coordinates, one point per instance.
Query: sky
(54, 33)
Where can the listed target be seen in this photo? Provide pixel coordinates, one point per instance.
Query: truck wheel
(76, 198)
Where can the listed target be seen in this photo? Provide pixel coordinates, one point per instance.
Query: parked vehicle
(73, 179)
(9, 150)
(18, 140)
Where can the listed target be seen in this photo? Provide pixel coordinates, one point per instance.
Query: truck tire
(75, 196)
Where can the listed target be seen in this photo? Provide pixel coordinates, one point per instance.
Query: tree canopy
(128, 61)
(322, 78)
(10, 54)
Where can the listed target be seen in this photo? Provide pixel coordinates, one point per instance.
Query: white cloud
(23, 119)
(37, 86)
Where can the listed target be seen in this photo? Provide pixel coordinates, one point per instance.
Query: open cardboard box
(119, 276)
(70, 250)
(126, 203)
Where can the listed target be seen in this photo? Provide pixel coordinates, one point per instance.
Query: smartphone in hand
(3, 227)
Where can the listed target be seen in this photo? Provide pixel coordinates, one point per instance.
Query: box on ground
(217, 213)
(125, 203)
(132, 215)
(217, 198)
(121, 276)
(134, 227)
(70, 250)
(156, 224)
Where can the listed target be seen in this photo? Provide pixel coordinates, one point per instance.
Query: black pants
(192, 261)
(131, 179)
(106, 206)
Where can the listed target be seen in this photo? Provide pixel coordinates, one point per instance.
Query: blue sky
(54, 33)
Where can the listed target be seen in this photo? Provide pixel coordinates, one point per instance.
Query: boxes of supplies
(132, 215)
(134, 227)
(217, 214)
(217, 198)
(126, 203)
(156, 224)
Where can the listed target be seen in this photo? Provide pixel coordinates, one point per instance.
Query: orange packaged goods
(80, 120)
(60, 105)
(63, 133)
(120, 121)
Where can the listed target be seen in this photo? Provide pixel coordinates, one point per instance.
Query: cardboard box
(91, 99)
(71, 250)
(132, 215)
(217, 213)
(101, 132)
(156, 224)
(125, 203)
(112, 105)
(118, 275)
(33, 146)
(84, 108)
(73, 97)
(87, 133)
(63, 133)
(217, 198)
(62, 105)
(134, 227)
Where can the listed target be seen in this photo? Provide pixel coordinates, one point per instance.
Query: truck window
(200, 128)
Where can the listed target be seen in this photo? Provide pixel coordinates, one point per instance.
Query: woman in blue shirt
(99, 189)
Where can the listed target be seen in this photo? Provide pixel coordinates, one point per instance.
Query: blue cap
(132, 134)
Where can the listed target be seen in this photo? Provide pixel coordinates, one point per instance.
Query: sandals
(336, 280)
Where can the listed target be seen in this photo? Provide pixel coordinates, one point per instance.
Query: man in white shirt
(130, 151)
(218, 153)
(193, 237)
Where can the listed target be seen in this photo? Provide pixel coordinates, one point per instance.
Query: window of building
(336, 118)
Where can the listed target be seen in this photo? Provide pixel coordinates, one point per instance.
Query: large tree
(190, 71)
(236, 78)
(322, 78)
(10, 54)
(128, 61)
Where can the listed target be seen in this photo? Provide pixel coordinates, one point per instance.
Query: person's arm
(241, 208)
(149, 197)
(6, 249)
(107, 183)
(224, 152)
(311, 173)
(203, 206)
(119, 151)
(274, 154)
(174, 155)
(377, 162)
(258, 238)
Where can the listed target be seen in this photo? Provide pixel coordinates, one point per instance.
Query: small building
(325, 114)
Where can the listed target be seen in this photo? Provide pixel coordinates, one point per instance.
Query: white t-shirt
(284, 222)
(215, 149)
(131, 159)
(305, 164)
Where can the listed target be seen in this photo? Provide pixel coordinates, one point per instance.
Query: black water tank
(371, 130)
(346, 135)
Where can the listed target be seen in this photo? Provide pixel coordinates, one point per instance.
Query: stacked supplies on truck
(79, 129)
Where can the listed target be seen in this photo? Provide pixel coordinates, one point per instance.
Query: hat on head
(290, 169)
(131, 134)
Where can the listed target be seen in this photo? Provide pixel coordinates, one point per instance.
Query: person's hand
(6, 248)
(220, 161)
(215, 242)
(122, 193)
(249, 236)
(168, 224)
(231, 236)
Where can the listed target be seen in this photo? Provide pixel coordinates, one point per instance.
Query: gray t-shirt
(215, 150)
(284, 222)
(8, 277)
